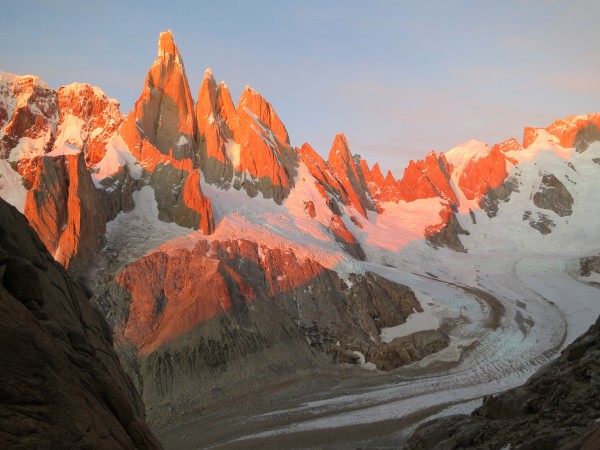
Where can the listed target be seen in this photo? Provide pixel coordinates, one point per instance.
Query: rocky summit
(241, 276)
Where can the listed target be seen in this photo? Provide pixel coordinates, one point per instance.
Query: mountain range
(218, 252)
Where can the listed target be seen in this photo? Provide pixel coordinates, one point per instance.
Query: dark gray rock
(493, 197)
(62, 383)
(553, 195)
(541, 222)
(448, 236)
(589, 265)
(408, 349)
(586, 136)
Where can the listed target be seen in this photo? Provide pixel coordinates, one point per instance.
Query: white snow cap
(78, 87)
(9, 78)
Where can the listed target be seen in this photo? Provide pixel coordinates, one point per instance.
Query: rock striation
(161, 135)
(247, 146)
(66, 210)
(62, 384)
(558, 408)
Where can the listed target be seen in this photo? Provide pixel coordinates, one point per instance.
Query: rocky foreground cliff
(62, 384)
(558, 408)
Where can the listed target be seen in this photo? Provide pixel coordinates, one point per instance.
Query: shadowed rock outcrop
(553, 195)
(447, 234)
(589, 265)
(62, 384)
(493, 197)
(408, 349)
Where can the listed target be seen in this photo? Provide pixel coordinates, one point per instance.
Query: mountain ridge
(191, 217)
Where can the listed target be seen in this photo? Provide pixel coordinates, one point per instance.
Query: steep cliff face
(161, 289)
(164, 111)
(482, 174)
(265, 153)
(427, 178)
(247, 147)
(62, 384)
(216, 119)
(193, 314)
(350, 175)
(324, 175)
(65, 208)
(72, 167)
(161, 135)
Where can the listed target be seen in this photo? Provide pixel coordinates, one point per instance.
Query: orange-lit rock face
(46, 204)
(350, 176)
(483, 174)
(263, 161)
(509, 145)
(263, 110)
(209, 121)
(381, 189)
(414, 184)
(36, 108)
(438, 172)
(101, 117)
(249, 143)
(65, 209)
(164, 111)
(427, 178)
(28, 110)
(567, 130)
(322, 173)
(161, 132)
(169, 302)
(195, 200)
(529, 136)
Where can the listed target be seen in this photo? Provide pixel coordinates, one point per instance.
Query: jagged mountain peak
(253, 101)
(339, 147)
(21, 82)
(571, 131)
(208, 73)
(81, 87)
(164, 110)
(166, 45)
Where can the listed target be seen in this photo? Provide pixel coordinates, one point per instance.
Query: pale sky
(398, 78)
